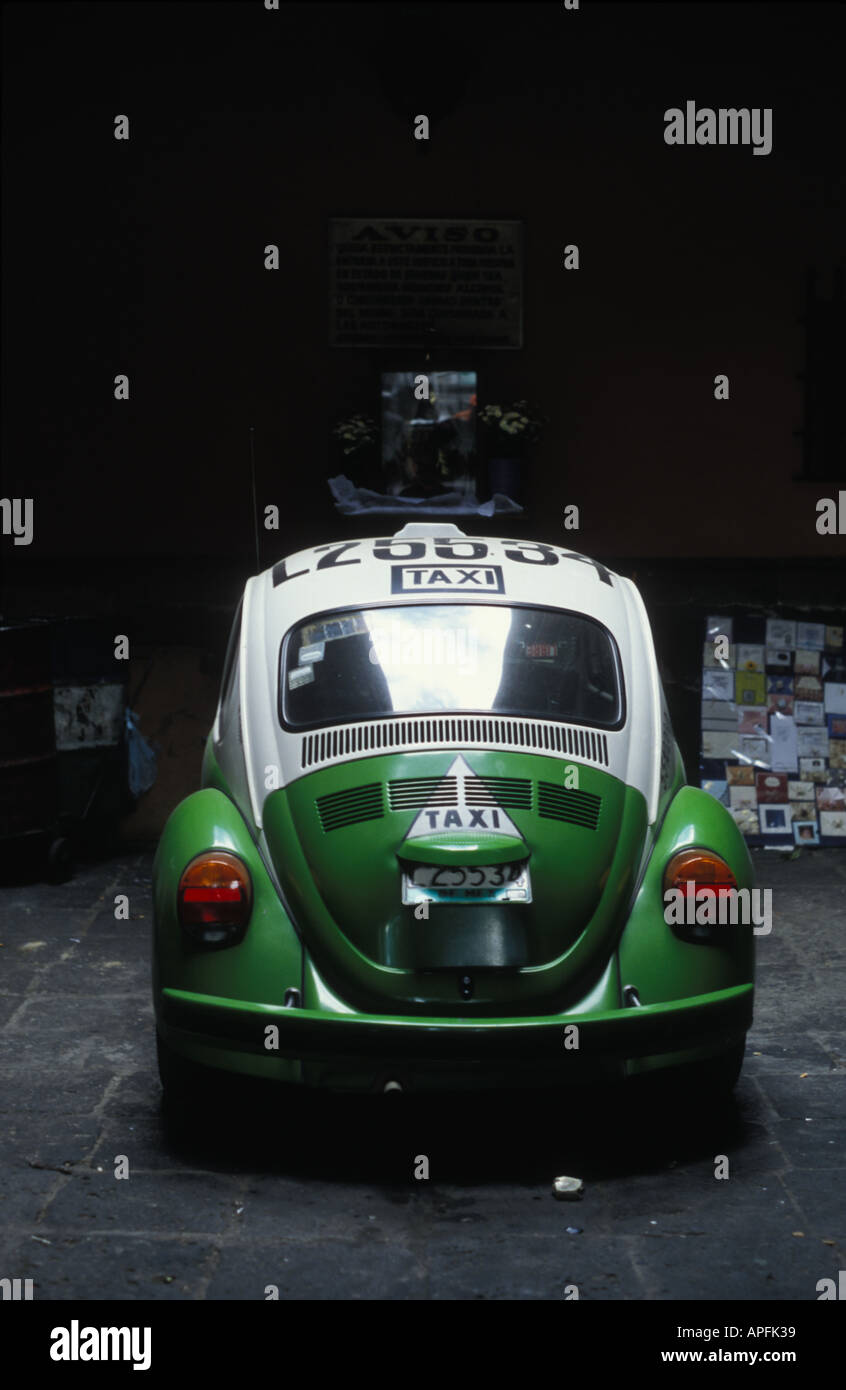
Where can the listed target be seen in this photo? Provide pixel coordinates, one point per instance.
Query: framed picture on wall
(429, 432)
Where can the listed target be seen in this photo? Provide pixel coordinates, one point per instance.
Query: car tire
(186, 1086)
(60, 861)
(714, 1078)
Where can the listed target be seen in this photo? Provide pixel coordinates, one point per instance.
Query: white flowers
(518, 420)
(357, 432)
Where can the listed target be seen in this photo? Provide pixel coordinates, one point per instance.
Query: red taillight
(703, 868)
(211, 895)
(214, 898)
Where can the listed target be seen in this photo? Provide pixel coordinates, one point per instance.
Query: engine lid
(346, 841)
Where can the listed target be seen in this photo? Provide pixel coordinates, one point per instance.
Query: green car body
(339, 982)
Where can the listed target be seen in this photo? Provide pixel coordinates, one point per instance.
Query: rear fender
(269, 958)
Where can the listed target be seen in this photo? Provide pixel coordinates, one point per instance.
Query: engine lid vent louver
(498, 791)
(356, 804)
(384, 735)
(406, 793)
(561, 803)
(348, 807)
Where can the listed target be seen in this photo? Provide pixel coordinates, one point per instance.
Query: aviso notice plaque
(425, 281)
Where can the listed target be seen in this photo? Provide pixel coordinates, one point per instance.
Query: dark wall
(250, 127)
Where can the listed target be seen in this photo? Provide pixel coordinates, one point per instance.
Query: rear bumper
(353, 1051)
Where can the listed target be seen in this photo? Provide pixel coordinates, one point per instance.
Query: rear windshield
(373, 662)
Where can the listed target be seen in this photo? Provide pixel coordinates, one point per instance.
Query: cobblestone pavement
(317, 1195)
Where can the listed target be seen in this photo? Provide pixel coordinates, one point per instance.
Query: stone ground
(319, 1198)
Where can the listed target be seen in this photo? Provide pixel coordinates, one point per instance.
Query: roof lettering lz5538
(392, 548)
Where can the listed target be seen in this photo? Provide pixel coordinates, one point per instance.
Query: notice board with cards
(773, 743)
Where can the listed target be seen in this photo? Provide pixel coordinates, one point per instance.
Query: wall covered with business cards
(773, 746)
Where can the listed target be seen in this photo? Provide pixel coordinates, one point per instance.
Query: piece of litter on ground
(42, 1240)
(567, 1189)
(801, 1234)
(574, 1230)
(238, 1211)
(802, 1074)
(76, 939)
(829, 1242)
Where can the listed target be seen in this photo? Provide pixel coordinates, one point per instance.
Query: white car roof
(439, 562)
(435, 562)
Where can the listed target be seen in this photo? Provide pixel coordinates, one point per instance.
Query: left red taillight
(215, 898)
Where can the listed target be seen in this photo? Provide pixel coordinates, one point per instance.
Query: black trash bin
(89, 699)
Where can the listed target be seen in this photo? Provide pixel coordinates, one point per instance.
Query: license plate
(486, 883)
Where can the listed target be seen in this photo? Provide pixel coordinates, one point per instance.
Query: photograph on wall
(750, 657)
(716, 626)
(718, 685)
(806, 832)
(835, 697)
(752, 719)
(771, 786)
(808, 712)
(429, 433)
(775, 820)
(780, 704)
(781, 633)
(807, 687)
(723, 657)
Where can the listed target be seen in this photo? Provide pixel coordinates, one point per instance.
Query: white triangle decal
(489, 819)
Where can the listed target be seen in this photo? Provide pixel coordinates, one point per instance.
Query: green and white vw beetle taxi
(442, 809)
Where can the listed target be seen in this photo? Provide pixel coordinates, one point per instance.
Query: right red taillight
(697, 883)
(703, 868)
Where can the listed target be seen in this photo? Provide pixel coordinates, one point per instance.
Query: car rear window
(414, 659)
